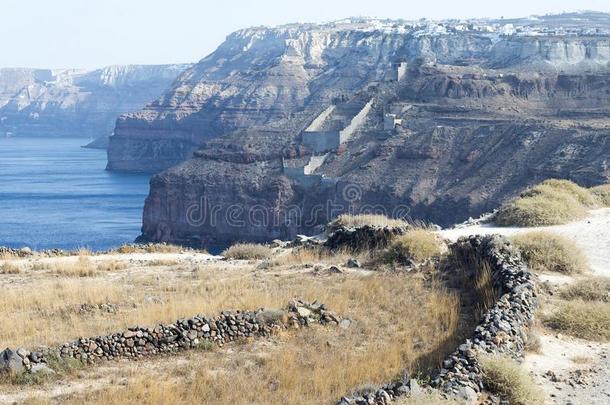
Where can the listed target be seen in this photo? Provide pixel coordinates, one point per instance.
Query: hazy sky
(95, 33)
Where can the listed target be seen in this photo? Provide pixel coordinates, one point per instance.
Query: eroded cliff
(292, 126)
(79, 103)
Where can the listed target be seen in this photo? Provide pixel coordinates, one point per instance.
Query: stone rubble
(139, 342)
(365, 237)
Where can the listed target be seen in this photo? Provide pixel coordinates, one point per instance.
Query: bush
(591, 289)
(553, 202)
(9, 268)
(504, 377)
(545, 251)
(247, 251)
(357, 221)
(417, 246)
(586, 320)
(602, 193)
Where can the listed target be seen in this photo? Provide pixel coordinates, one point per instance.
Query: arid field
(396, 321)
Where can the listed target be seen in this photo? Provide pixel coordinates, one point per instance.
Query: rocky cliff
(437, 121)
(42, 102)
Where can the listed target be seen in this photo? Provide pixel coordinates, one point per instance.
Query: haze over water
(55, 194)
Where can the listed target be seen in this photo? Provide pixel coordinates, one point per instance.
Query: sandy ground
(570, 370)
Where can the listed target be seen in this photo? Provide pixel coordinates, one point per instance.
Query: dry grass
(586, 320)
(532, 342)
(163, 262)
(9, 268)
(415, 246)
(553, 202)
(316, 365)
(589, 289)
(483, 286)
(81, 266)
(545, 251)
(247, 251)
(356, 221)
(304, 256)
(150, 248)
(602, 193)
(504, 377)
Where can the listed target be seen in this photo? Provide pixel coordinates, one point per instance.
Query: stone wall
(321, 141)
(139, 342)
(503, 329)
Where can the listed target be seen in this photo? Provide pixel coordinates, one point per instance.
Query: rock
(23, 353)
(334, 270)
(353, 263)
(129, 334)
(468, 394)
(25, 251)
(11, 362)
(414, 387)
(42, 368)
(303, 312)
(345, 324)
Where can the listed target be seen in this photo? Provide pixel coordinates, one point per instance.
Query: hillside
(437, 120)
(80, 103)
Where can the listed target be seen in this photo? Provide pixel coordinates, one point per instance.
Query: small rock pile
(27, 252)
(12, 252)
(503, 329)
(362, 238)
(139, 342)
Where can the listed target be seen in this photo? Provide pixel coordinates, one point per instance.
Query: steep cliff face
(39, 102)
(472, 118)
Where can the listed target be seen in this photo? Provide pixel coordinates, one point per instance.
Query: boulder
(11, 362)
(42, 368)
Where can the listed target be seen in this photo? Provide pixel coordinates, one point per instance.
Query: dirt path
(592, 235)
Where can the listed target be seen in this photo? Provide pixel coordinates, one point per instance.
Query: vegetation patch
(545, 251)
(586, 320)
(9, 268)
(504, 377)
(247, 251)
(553, 202)
(415, 246)
(602, 193)
(357, 221)
(589, 289)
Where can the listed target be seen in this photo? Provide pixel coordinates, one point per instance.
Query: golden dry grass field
(398, 321)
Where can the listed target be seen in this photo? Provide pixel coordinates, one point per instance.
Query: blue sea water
(55, 194)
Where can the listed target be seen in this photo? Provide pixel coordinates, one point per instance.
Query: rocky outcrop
(78, 103)
(471, 128)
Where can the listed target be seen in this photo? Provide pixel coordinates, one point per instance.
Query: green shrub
(504, 377)
(586, 320)
(545, 251)
(247, 251)
(416, 245)
(552, 202)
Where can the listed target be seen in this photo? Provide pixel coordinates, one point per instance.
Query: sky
(96, 33)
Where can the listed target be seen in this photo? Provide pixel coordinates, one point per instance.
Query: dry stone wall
(139, 342)
(503, 329)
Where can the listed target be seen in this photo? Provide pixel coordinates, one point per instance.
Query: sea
(56, 194)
